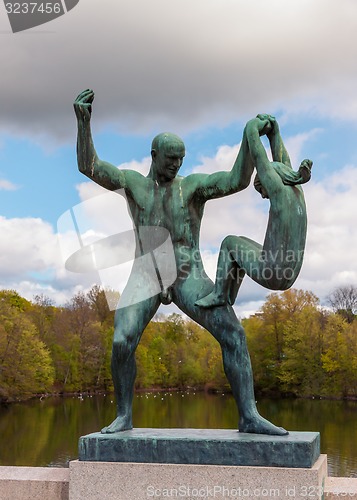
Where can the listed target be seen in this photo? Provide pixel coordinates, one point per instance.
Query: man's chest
(164, 206)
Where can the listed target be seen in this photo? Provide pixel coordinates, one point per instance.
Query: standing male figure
(164, 199)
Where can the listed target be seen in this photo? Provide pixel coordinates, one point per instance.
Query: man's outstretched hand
(83, 105)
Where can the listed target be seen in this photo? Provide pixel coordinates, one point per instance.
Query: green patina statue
(165, 199)
(277, 263)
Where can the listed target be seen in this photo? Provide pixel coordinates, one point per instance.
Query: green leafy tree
(25, 362)
(301, 369)
(274, 336)
(339, 360)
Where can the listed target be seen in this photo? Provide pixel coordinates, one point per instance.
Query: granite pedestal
(135, 481)
(197, 463)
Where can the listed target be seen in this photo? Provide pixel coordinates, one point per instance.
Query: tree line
(297, 348)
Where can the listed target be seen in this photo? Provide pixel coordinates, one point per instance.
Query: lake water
(45, 433)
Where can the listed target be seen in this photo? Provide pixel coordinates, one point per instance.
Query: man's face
(168, 159)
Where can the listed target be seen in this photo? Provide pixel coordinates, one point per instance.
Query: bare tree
(343, 300)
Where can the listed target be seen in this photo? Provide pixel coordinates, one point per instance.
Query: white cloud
(142, 166)
(31, 263)
(7, 185)
(294, 145)
(223, 160)
(180, 64)
(26, 245)
(332, 235)
(29, 289)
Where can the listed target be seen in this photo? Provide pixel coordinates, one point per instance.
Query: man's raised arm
(224, 183)
(103, 173)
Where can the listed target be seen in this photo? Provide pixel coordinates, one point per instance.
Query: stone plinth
(136, 481)
(202, 447)
(341, 487)
(33, 483)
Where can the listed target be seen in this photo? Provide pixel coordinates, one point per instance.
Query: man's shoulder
(134, 175)
(134, 181)
(195, 179)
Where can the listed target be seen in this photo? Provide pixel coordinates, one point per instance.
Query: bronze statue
(165, 199)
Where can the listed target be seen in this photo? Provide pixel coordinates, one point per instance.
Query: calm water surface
(45, 433)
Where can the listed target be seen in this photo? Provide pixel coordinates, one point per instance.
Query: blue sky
(199, 69)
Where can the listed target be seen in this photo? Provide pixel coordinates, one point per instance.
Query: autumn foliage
(297, 348)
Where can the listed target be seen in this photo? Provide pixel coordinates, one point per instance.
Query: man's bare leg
(130, 323)
(237, 367)
(223, 324)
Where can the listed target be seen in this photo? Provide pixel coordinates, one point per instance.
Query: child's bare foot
(211, 300)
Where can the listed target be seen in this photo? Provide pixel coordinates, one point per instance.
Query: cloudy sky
(200, 69)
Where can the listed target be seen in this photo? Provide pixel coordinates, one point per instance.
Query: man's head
(167, 153)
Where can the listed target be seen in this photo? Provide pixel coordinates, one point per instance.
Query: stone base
(341, 487)
(33, 483)
(135, 481)
(202, 446)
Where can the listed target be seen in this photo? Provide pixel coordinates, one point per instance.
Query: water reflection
(41, 433)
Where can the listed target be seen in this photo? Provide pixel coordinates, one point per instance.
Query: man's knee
(233, 337)
(124, 342)
(230, 249)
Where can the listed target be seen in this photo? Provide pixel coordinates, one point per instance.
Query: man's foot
(118, 425)
(211, 300)
(259, 425)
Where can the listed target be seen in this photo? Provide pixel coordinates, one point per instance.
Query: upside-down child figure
(277, 263)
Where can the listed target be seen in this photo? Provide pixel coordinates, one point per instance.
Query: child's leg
(238, 255)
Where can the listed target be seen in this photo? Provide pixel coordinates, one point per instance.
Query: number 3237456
(33, 8)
